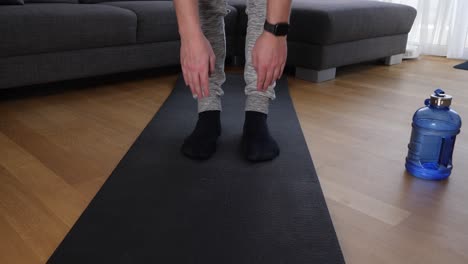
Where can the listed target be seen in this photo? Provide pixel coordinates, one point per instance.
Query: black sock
(201, 144)
(258, 144)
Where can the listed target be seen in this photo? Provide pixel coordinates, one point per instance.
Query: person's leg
(256, 100)
(201, 144)
(258, 144)
(212, 13)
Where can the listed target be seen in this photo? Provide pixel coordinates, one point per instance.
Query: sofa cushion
(37, 28)
(336, 21)
(230, 21)
(326, 22)
(52, 1)
(101, 1)
(157, 20)
(11, 2)
(242, 19)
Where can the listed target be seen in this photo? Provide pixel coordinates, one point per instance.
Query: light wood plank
(50, 189)
(370, 206)
(12, 247)
(37, 226)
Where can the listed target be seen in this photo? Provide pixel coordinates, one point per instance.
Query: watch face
(282, 29)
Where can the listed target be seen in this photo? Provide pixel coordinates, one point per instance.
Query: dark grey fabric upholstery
(334, 21)
(101, 1)
(157, 20)
(318, 57)
(50, 67)
(240, 6)
(329, 22)
(230, 21)
(321, 57)
(51, 42)
(240, 26)
(51, 1)
(11, 2)
(37, 28)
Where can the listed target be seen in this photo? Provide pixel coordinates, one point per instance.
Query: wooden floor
(57, 149)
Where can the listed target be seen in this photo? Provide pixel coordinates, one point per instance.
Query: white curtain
(441, 27)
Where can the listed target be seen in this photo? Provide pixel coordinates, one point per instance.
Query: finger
(268, 80)
(276, 75)
(254, 61)
(282, 69)
(204, 82)
(186, 78)
(194, 93)
(184, 74)
(196, 87)
(187, 81)
(197, 84)
(212, 64)
(261, 78)
(192, 87)
(192, 84)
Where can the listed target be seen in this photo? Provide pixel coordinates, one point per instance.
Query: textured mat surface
(160, 207)
(463, 66)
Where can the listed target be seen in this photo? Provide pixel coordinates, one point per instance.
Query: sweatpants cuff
(257, 103)
(210, 103)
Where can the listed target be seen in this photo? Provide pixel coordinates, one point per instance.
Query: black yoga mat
(160, 207)
(463, 66)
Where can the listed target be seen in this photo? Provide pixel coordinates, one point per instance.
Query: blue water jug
(435, 128)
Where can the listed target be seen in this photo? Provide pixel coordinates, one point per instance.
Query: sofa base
(51, 67)
(322, 58)
(318, 57)
(393, 60)
(68, 65)
(315, 76)
(237, 61)
(315, 63)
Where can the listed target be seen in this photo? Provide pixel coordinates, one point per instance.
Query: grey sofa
(47, 42)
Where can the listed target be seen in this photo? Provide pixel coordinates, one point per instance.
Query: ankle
(254, 120)
(209, 113)
(258, 144)
(209, 121)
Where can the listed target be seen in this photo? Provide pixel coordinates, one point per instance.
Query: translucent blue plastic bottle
(435, 128)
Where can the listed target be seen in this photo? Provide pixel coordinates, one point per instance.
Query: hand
(269, 58)
(198, 62)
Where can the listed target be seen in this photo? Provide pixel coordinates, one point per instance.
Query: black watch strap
(280, 29)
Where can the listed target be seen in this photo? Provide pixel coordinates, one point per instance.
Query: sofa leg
(315, 76)
(238, 60)
(395, 59)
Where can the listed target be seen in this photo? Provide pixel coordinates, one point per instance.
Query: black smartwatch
(280, 29)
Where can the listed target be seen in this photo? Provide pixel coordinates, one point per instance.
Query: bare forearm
(187, 18)
(278, 11)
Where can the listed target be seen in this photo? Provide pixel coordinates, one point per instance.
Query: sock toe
(199, 149)
(261, 151)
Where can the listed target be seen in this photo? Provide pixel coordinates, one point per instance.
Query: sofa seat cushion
(337, 21)
(51, 1)
(39, 28)
(325, 22)
(11, 2)
(157, 20)
(101, 1)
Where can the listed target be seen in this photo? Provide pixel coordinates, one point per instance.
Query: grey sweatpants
(212, 14)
